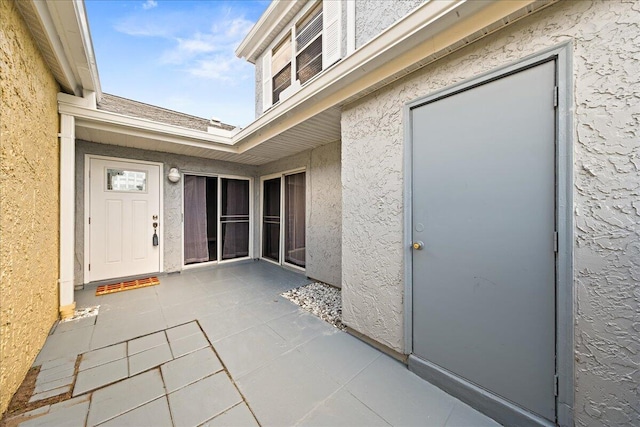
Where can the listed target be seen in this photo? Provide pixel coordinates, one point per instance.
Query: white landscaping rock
(320, 299)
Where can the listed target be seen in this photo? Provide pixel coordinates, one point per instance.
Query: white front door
(123, 208)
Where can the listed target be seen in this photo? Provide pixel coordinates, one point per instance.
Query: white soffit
(61, 31)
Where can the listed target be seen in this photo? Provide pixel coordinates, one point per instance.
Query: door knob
(418, 245)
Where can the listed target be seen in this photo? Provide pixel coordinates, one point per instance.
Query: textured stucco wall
(258, 87)
(374, 16)
(172, 193)
(606, 69)
(29, 199)
(324, 208)
(324, 233)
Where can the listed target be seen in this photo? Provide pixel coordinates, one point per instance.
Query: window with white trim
(309, 45)
(281, 68)
(312, 44)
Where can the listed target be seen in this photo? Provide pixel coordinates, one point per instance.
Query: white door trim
(87, 209)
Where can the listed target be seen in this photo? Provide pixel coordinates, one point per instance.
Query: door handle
(417, 245)
(154, 239)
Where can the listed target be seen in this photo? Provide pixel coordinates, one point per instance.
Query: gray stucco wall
(374, 16)
(258, 87)
(172, 193)
(324, 208)
(606, 69)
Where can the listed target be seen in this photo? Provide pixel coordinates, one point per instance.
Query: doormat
(125, 286)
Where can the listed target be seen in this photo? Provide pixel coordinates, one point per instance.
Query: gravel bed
(82, 313)
(321, 300)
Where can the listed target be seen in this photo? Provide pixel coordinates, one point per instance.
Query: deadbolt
(418, 245)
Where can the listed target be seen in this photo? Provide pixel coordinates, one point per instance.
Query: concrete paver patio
(220, 347)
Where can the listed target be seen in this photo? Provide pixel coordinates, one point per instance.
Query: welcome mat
(125, 286)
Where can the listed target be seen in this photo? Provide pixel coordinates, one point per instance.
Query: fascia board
(430, 28)
(271, 17)
(51, 30)
(87, 41)
(142, 133)
(71, 31)
(119, 123)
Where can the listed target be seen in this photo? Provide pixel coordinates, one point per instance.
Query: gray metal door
(484, 206)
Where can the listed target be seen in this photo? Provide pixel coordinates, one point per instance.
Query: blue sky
(177, 54)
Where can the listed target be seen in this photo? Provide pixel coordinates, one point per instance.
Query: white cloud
(211, 54)
(222, 68)
(149, 4)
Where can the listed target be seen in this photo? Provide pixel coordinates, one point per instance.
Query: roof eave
(433, 27)
(67, 30)
(263, 29)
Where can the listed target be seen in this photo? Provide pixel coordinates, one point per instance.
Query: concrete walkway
(220, 347)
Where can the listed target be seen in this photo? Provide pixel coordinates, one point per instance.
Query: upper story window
(310, 45)
(281, 67)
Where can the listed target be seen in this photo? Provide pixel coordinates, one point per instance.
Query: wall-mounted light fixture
(174, 175)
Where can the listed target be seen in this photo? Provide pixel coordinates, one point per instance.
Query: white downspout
(67, 214)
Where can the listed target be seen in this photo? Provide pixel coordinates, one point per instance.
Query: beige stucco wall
(28, 201)
(606, 173)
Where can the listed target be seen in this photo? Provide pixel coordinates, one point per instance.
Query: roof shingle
(129, 107)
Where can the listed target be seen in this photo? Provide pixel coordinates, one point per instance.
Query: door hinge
(555, 241)
(89, 267)
(556, 96)
(89, 220)
(555, 385)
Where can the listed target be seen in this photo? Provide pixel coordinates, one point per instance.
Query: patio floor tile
(464, 415)
(399, 396)
(65, 416)
(285, 390)
(49, 375)
(272, 308)
(342, 409)
(190, 311)
(188, 344)
(237, 416)
(228, 322)
(100, 376)
(183, 331)
(148, 359)
(71, 325)
(248, 350)
(60, 382)
(300, 327)
(57, 363)
(103, 355)
(203, 400)
(127, 328)
(50, 393)
(190, 368)
(339, 355)
(65, 344)
(155, 413)
(145, 343)
(125, 396)
(292, 368)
